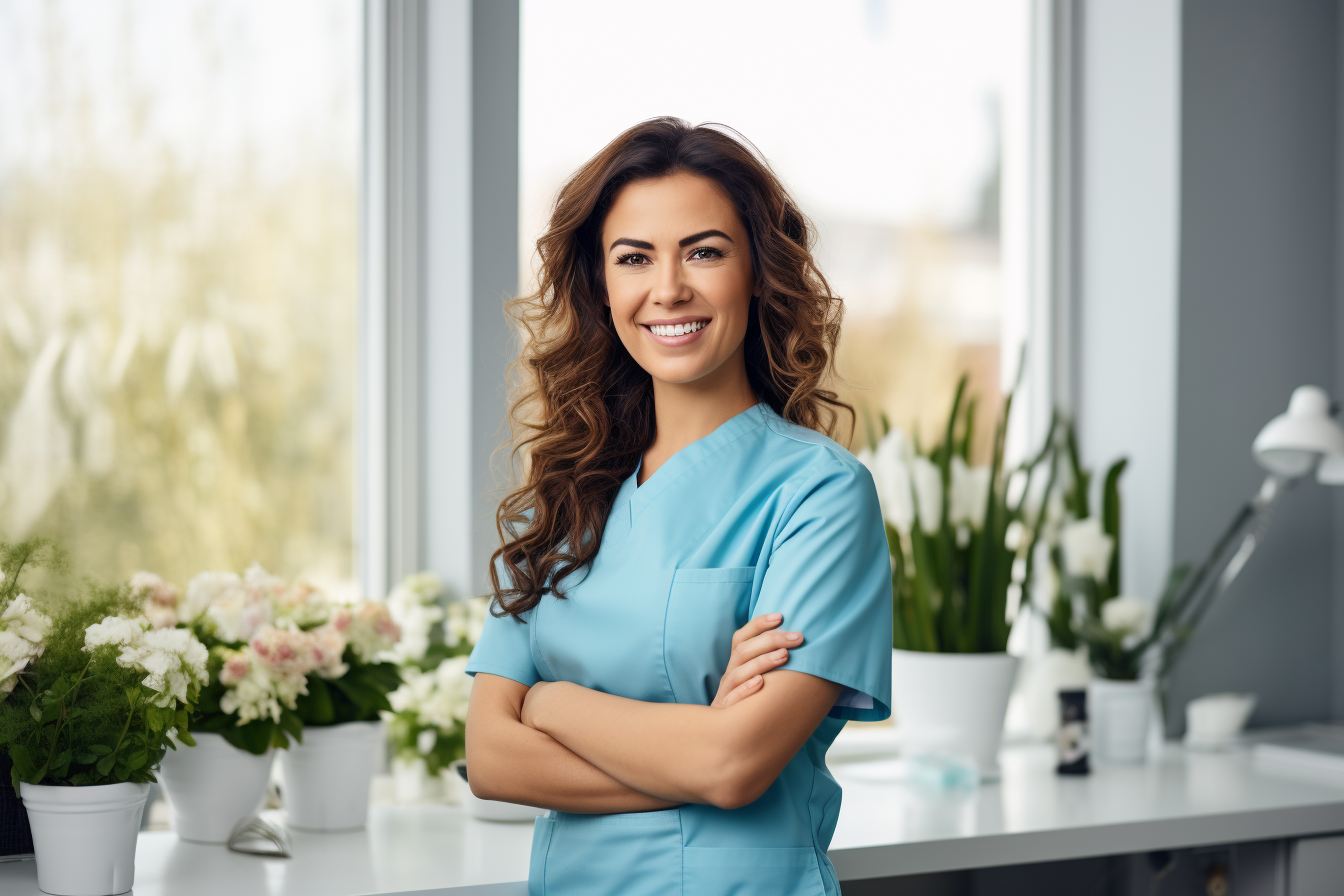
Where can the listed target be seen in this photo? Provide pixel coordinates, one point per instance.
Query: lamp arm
(1197, 594)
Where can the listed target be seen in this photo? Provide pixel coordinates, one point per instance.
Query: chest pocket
(704, 608)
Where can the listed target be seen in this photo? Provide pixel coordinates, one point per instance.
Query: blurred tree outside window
(178, 254)
(898, 125)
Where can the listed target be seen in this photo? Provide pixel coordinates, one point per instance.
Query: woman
(679, 485)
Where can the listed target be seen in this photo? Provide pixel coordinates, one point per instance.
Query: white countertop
(886, 828)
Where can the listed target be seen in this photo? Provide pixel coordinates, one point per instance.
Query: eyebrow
(697, 237)
(693, 238)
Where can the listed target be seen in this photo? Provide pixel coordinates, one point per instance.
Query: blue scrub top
(759, 516)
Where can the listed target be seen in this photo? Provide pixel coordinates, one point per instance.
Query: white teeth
(677, 329)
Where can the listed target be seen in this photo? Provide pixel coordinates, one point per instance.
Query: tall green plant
(953, 587)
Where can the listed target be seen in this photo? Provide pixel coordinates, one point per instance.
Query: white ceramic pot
(953, 702)
(213, 786)
(84, 837)
(327, 777)
(1118, 713)
(489, 810)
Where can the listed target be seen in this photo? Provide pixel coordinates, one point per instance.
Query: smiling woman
(635, 679)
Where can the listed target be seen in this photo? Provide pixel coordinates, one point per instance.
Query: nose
(671, 287)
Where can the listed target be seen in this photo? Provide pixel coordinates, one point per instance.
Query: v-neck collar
(639, 497)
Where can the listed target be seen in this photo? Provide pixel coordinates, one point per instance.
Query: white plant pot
(953, 702)
(213, 786)
(327, 777)
(1118, 713)
(84, 837)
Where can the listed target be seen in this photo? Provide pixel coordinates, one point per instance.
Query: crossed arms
(558, 745)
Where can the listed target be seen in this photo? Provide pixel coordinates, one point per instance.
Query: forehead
(670, 207)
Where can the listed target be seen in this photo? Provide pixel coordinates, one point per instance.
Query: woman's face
(679, 278)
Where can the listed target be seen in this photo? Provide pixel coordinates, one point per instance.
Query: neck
(685, 412)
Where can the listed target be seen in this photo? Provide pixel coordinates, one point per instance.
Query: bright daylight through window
(899, 126)
(178, 250)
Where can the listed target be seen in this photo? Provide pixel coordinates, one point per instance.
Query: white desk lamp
(1303, 440)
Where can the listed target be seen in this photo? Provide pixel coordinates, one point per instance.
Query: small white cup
(1214, 722)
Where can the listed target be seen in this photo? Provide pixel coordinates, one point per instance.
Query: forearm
(509, 761)
(686, 753)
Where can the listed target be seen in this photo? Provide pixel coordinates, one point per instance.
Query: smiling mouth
(677, 329)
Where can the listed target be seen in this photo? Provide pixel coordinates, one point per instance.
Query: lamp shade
(1293, 443)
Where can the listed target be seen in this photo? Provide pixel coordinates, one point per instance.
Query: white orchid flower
(1087, 549)
(1126, 615)
(890, 466)
(969, 494)
(928, 480)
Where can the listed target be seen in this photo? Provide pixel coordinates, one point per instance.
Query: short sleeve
(829, 573)
(505, 648)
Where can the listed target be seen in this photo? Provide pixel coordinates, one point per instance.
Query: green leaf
(137, 760)
(105, 764)
(99, 749)
(1110, 520)
(85, 758)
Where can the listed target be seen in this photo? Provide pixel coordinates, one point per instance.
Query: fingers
(758, 666)
(764, 643)
(740, 693)
(756, 626)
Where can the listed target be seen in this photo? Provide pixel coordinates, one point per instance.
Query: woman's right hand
(757, 648)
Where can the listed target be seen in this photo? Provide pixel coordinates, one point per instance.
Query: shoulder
(817, 463)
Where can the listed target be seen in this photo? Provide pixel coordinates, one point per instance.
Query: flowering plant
(955, 537)
(93, 692)
(281, 654)
(429, 710)
(1120, 633)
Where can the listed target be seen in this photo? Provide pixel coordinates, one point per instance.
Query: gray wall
(1208, 291)
(1257, 314)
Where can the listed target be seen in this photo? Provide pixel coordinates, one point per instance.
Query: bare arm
(726, 757)
(509, 761)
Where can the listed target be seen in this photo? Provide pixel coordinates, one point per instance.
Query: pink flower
(235, 669)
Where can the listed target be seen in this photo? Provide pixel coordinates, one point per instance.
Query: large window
(899, 126)
(178, 250)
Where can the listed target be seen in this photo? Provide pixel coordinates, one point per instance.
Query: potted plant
(247, 710)
(427, 724)
(961, 551)
(344, 653)
(89, 709)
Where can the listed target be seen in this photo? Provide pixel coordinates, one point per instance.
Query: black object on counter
(16, 840)
(1072, 739)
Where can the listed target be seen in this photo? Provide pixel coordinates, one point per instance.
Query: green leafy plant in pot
(427, 724)
(93, 694)
(961, 551)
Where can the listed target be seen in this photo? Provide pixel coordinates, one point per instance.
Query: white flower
(466, 620)
(22, 630)
(371, 631)
(172, 658)
(1087, 549)
(440, 698)
(425, 741)
(239, 613)
(890, 466)
(928, 481)
(1125, 615)
(116, 630)
(415, 611)
(203, 590)
(969, 494)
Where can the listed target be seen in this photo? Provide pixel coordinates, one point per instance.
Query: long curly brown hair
(584, 411)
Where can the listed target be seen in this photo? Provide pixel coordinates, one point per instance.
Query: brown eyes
(636, 259)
